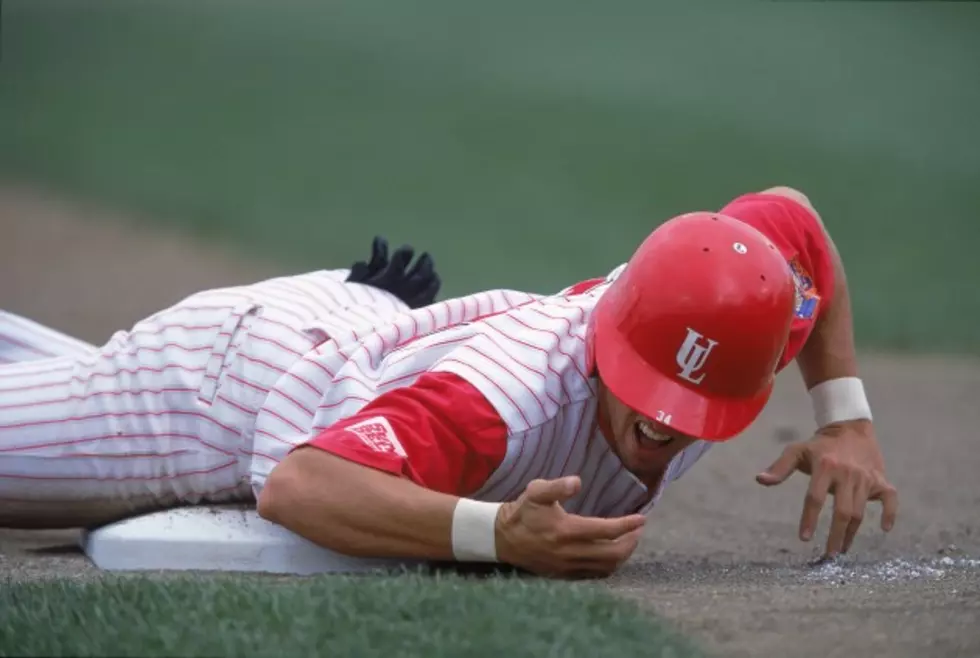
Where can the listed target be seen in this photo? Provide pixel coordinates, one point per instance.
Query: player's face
(643, 445)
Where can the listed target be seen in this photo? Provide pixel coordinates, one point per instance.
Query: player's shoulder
(591, 286)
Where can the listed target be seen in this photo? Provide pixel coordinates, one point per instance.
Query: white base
(214, 538)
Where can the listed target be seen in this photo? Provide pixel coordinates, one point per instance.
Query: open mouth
(647, 438)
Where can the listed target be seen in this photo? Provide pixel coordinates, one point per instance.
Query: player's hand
(417, 286)
(535, 533)
(842, 459)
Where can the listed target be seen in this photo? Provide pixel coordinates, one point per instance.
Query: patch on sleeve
(807, 298)
(378, 434)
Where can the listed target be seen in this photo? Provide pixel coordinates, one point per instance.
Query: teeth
(649, 433)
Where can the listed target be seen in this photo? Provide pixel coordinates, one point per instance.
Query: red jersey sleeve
(799, 236)
(440, 432)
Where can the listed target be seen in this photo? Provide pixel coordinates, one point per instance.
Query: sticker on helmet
(807, 298)
(692, 356)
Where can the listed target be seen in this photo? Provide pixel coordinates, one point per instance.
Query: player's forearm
(357, 510)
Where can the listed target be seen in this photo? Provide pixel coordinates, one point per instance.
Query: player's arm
(822, 334)
(357, 510)
(392, 482)
(385, 481)
(843, 456)
(828, 352)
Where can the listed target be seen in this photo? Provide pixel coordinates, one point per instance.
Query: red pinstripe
(279, 344)
(262, 362)
(244, 382)
(556, 442)
(96, 394)
(177, 325)
(110, 414)
(517, 487)
(125, 478)
(99, 375)
(346, 398)
(620, 503)
(530, 389)
(571, 359)
(535, 348)
(115, 437)
(500, 389)
(282, 326)
(597, 491)
(127, 455)
(583, 416)
(174, 346)
(255, 453)
(316, 390)
(293, 426)
(271, 435)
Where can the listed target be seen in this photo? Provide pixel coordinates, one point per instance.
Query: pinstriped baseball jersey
(340, 376)
(527, 360)
(168, 409)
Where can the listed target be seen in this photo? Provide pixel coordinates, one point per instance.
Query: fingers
(422, 269)
(859, 501)
(428, 295)
(889, 501)
(595, 559)
(379, 254)
(421, 283)
(782, 468)
(588, 528)
(400, 260)
(843, 506)
(545, 539)
(815, 496)
(605, 556)
(547, 492)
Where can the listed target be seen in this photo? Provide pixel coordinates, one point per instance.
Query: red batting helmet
(691, 332)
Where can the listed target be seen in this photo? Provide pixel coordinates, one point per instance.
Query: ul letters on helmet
(692, 355)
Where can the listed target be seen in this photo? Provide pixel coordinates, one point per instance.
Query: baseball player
(536, 431)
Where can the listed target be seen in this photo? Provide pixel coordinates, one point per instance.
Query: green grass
(526, 144)
(445, 616)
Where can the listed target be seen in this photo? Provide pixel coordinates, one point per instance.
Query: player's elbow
(303, 490)
(270, 498)
(282, 491)
(794, 195)
(316, 495)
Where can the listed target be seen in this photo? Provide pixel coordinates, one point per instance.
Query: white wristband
(838, 400)
(474, 531)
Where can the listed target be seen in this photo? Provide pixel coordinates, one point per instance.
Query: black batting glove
(416, 286)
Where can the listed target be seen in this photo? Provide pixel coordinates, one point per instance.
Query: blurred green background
(527, 144)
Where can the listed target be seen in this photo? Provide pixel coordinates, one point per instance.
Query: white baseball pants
(161, 415)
